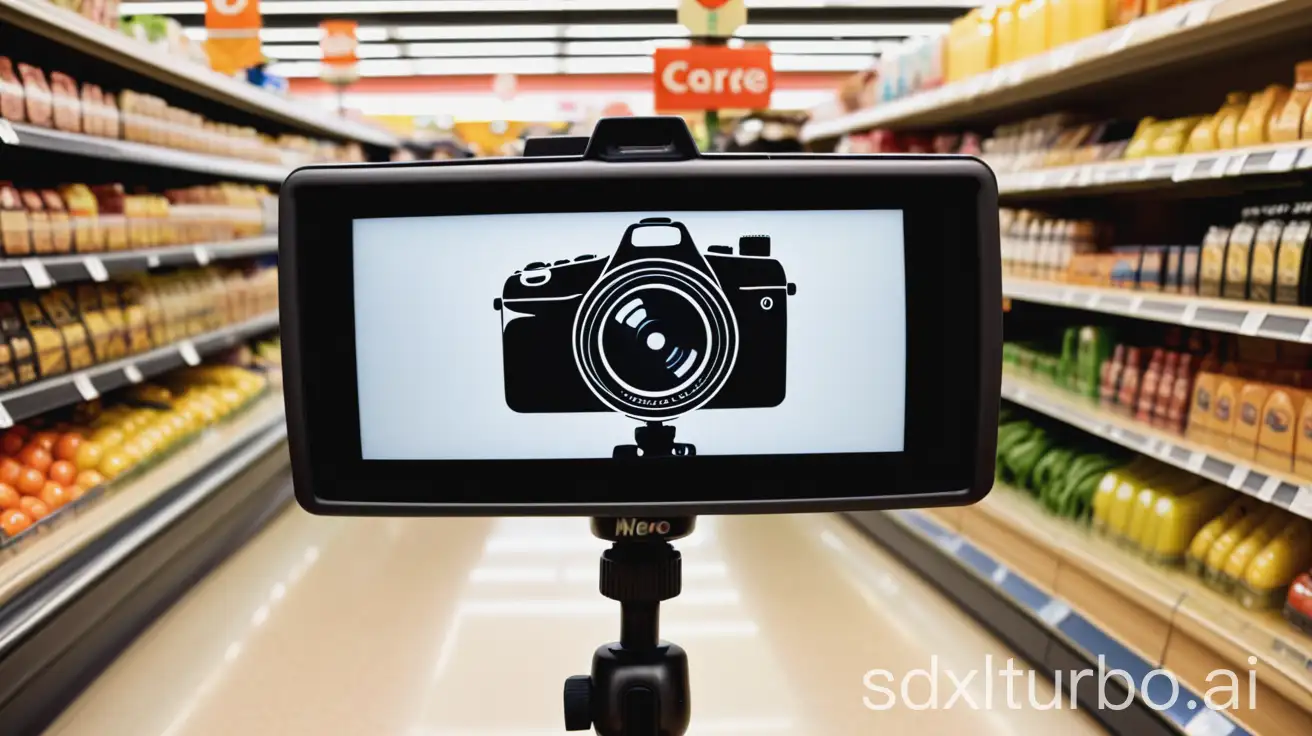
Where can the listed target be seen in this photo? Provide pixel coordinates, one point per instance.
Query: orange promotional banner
(338, 49)
(339, 42)
(232, 30)
(713, 78)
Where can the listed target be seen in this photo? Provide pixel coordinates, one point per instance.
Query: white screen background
(428, 341)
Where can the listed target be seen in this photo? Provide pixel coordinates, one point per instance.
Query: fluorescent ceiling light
(298, 35)
(607, 65)
(308, 52)
(841, 30)
(484, 49)
(802, 63)
(435, 33)
(830, 47)
(621, 48)
(628, 30)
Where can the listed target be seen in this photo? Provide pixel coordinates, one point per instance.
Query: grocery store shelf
(44, 18)
(25, 135)
(1160, 171)
(1148, 608)
(1255, 319)
(1174, 37)
(63, 535)
(1010, 585)
(44, 271)
(1271, 486)
(52, 393)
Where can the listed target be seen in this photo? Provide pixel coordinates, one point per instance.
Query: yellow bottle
(1275, 567)
(1106, 491)
(1177, 519)
(1227, 123)
(1254, 124)
(1244, 552)
(1231, 538)
(1032, 32)
(1142, 508)
(1061, 22)
(1090, 17)
(1006, 32)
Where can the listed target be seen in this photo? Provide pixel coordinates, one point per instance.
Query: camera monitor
(641, 329)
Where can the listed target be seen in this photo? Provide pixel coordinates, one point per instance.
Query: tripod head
(638, 685)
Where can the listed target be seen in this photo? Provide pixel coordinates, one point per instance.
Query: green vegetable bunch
(1061, 468)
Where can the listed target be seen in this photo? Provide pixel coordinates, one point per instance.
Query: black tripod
(655, 440)
(639, 685)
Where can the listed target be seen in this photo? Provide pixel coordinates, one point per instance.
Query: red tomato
(63, 472)
(14, 522)
(11, 443)
(46, 440)
(31, 482)
(68, 446)
(9, 497)
(34, 507)
(35, 456)
(10, 469)
(54, 495)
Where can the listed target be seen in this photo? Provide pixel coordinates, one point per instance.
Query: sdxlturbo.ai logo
(636, 528)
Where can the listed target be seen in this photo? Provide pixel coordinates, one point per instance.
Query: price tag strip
(37, 274)
(84, 387)
(95, 269)
(188, 352)
(9, 138)
(133, 373)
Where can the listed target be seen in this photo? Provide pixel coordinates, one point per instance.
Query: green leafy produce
(1061, 467)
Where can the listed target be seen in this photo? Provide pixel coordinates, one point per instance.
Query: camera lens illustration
(655, 331)
(655, 341)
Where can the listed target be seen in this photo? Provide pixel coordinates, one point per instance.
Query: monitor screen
(555, 336)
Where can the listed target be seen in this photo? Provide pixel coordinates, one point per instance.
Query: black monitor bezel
(953, 289)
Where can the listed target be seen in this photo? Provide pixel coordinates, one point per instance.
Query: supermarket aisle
(433, 627)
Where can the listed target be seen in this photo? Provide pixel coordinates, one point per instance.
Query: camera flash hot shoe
(638, 685)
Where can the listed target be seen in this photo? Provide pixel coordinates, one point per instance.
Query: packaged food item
(1266, 246)
(15, 226)
(1279, 433)
(135, 322)
(61, 310)
(1095, 346)
(1234, 565)
(1131, 375)
(1177, 518)
(1294, 258)
(1254, 124)
(1128, 10)
(1239, 255)
(13, 105)
(19, 341)
(1152, 268)
(1239, 508)
(100, 332)
(1287, 120)
(1223, 410)
(1227, 125)
(111, 218)
(1143, 408)
(1251, 402)
(1273, 569)
(38, 221)
(1141, 142)
(61, 226)
(1173, 136)
(46, 339)
(112, 127)
(8, 377)
(67, 106)
(1182, 392)
(36, 92)
(84, 212)
(1190, 259)
(93, 114)
(1110, 375)
(1212, 261)
(1219, 552)
(1159, 412)
(1125, 270)
(1206, 136)
(113, 311)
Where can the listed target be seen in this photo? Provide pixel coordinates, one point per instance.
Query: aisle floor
(416, 627)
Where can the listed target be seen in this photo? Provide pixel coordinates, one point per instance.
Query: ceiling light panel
(487, 49)
(621, 48)
(296, 52)
(440, 33)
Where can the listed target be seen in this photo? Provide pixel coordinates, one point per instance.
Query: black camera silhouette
(653, 331)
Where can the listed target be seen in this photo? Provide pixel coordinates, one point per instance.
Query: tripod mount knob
(641, 572)
(578, 703)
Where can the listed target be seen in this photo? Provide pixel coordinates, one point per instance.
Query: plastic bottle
(1130, 377)
(1165, 390)
(1148, 389)
(1287, 554)
(1220, 550)
(1248, 548)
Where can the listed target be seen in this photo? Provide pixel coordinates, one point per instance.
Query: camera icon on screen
(653, 331)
